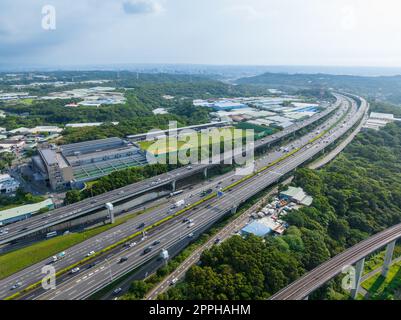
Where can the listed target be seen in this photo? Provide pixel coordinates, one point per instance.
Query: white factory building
(379, 120)
(8, 184)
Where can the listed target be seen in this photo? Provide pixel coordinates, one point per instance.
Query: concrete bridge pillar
(358, 275)
(234, 210)
(388, 258)
(205, 173)
(110, 211)
(173, 185)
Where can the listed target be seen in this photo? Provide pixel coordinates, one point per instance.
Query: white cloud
(142, 6)
(245, 11)
(340, 32)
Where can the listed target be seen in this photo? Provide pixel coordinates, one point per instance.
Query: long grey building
(72, 164)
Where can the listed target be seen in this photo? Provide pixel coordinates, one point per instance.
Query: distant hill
(386, 88)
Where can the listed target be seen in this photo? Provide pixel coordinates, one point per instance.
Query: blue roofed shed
(256, 228)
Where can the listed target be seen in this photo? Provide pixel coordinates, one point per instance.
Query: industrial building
(8, 184)
(256, 228)
(296, 195)
(36, 130)
(169, 132)
(71, 165)
(379, 120)
(24, 212)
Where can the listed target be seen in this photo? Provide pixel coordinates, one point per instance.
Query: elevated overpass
(316, 278)
(38, 223)
(88, 282)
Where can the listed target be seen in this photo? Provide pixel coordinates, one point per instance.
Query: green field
(26, 101)
(20, 259)
(260, 131)
(163, 146)
(388, 288)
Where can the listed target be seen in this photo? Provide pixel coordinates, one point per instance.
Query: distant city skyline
(207, 32)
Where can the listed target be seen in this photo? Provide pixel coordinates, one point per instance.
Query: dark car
(123, 259)
(147, 250)
(156, 242)
(141, 225)
(91, 265)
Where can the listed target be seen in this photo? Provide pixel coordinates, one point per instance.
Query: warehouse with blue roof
(256, 228)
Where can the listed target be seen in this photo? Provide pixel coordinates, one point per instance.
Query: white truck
(180, 203)
(58, 257)
(173, 194)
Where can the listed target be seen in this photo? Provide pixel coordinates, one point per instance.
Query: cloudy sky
(257, 32)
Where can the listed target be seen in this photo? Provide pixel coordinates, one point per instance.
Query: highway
(78, 252)
(86, 282)
(41, 222)
(238, 223)
(220, 237)
(99, 242)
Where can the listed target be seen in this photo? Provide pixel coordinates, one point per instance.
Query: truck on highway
(58, 257)
(173, 194)
(180, 203)
(51, 234)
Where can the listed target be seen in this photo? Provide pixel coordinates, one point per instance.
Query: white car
(173, 282)
(16, 286)
(117, 291)
(90, 253)
(75, 270)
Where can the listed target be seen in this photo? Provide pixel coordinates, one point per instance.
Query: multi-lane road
(221, 236)
(89, 281)
(99, 242)
(172, 232)
(39, 223)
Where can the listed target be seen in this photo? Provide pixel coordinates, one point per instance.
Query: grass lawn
(26, 101)
(163, 146)
(374, 262)
(90, 184)
(381, 288)
(20, 259)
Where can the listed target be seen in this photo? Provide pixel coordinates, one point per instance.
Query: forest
(385, 88)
